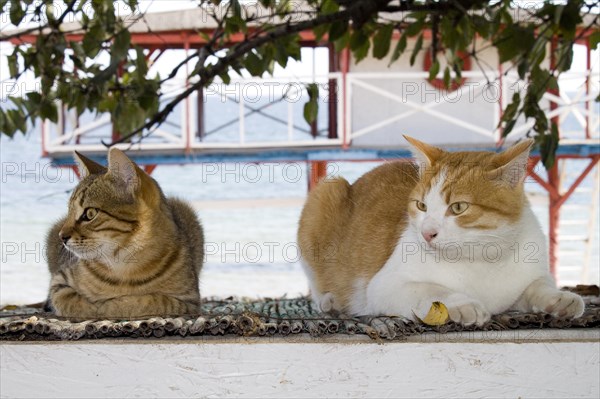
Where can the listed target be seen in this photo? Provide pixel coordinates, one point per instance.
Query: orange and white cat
(456, 228)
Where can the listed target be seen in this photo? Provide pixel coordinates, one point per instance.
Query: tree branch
(243, 48)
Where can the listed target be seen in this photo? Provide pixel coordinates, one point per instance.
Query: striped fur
(124, 250)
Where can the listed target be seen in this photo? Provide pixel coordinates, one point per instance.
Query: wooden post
(186, 127)
(554, 218)
(588, 84)
(149, 168)
(333, 98)
(345, 66)
(554, 182)
(200, 132)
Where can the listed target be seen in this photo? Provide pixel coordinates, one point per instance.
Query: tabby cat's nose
(429, 235)
(63, 237)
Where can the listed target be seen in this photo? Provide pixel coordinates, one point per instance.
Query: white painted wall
(246, 368)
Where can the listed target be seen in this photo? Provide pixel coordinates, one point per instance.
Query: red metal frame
(318, 171)
(557, 200)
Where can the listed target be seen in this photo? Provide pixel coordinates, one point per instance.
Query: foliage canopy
(72, 72)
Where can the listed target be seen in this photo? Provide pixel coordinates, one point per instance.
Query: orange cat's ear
(123, 168)
(86, 166)
(425, 154)
(511, 164)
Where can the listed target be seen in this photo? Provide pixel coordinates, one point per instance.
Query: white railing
(179, 131)
(575, 99)
(489, 90)
(414, 84)
(417, 103)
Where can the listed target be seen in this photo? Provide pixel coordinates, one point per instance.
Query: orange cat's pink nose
(429, 235)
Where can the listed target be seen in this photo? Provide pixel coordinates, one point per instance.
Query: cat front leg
(543, 296)
(413, 300)
(135, 306)
(67, 302)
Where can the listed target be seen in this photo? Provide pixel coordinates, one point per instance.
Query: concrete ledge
(517, 363)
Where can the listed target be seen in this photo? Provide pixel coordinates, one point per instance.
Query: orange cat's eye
(459, 207)
(421, 206)
(89, 214)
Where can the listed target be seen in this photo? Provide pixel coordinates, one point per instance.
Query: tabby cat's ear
(123, 168)
(511, 165)
(86, 166)
(424, 154)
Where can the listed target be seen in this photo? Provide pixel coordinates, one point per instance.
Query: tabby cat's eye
(89, 214)
(459, 207)
(421, 206)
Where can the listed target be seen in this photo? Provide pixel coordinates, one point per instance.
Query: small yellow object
(437, 315)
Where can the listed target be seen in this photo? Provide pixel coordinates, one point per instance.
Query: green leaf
(508, 127)
(522, 68)
(342, 42)
(400, 47)
(359, 44)
(311, 108)
(2, 5)
(514, 40)
(132, 4)
(7, 126)
(564, 56)
(329, 7)
(447, 76)
(254, 64)
(34, 97)
(92, 39)
(236, 8)
(382, 41)
(482, 26)
(594, 39)
(18, 119)
(337, 30)
(511, 109)
(415, 28)
(140, 63)
(434, 70)
(48, 111)
(548, 145)
(416, 49)
(225, 78)
(320, 31)
(16, 12)
(128, 116)
(13, 66)
(120, 46)
(570, 18)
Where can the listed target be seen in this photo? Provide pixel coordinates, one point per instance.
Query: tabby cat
(456, 228)
(124, 250)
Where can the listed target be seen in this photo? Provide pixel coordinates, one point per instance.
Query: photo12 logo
(13, 88)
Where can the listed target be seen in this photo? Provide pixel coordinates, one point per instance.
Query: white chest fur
(495, 273)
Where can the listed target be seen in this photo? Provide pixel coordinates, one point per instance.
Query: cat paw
(468, 313)
(326, 302)
(562, 304)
